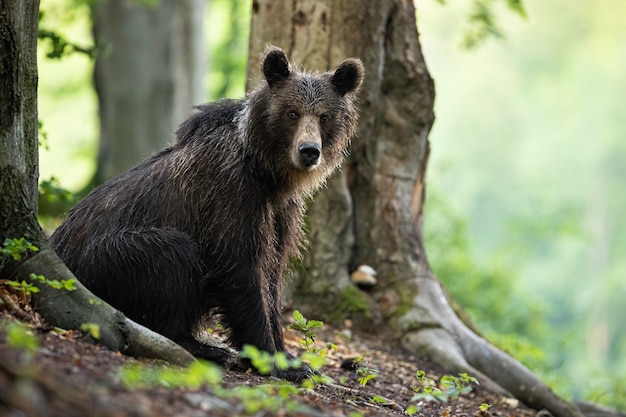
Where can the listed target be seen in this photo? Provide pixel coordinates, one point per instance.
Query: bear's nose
(309, 153)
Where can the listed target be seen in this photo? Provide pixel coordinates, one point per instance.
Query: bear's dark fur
(209, 224)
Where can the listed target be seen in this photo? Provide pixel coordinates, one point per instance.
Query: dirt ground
(70, 377)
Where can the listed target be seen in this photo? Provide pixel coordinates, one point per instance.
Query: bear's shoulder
(209, 117)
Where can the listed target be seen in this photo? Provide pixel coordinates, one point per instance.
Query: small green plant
(264, 362)
(93, 329)
(252, 400)
(363, 372)
(412, 409)
(377, 399)
(64, 284)
(484, 407)
(20, 337)
(26, 288)
(454, 386)
(52, 191)
(451, 388)
(16, 248)
(426, 388)
(267, 398)
(304, 326)
(197, 374)
(315, 357)
(29, 288)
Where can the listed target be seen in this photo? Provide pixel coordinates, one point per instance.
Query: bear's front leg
(291, 374)
(254, 321)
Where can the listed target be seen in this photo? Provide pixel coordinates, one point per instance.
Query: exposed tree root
(70, 309)
(449, 342)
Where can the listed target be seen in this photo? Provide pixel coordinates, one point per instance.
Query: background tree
(148, 77)
(18, 200)
(372, 212)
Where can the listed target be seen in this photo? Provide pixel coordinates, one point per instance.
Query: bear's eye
(292, 114)
(324, 118)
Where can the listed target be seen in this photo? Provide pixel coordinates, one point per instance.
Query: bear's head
(308, 118)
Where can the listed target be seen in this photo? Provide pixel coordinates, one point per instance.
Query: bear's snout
(309, 154)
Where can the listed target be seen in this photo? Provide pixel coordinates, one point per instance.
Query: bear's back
(210, 117)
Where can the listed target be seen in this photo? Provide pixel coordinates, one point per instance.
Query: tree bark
(18, 120)
(372, 212)
(18, 198)
(148, 79)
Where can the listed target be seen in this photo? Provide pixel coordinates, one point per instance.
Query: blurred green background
(526, 209)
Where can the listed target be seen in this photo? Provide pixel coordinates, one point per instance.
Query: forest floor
(66, 376)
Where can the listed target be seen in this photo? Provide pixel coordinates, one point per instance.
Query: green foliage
(93, 329)
(610, 391)
(450, 389)
(412, 409)
(426, 389)
(16, 248)
(478, 286)
(252, 400)
(484, 407)
(57, 45)
(27, 288)
(43, 136)
(376, 399)
(229, 21)
(197, 374)
(514, 157)
(265, 362)
(314, 357)
(482, 23)
(363, 372)
(353, 301)
(64, 284)
(304, 326)
(454, 386)
(20, 337)
(52, 191)
(268, 398)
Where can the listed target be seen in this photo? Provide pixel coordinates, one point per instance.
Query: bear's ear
(275, 65)
(348, 76)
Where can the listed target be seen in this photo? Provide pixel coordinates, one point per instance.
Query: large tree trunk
(371, 213)
(18, 198)
(148, 78)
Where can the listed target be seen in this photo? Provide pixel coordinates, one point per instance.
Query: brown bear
(209, 224)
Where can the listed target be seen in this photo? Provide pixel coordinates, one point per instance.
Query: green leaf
(314, 360)
(314, 323)
(412, 409)
(69, 284)
(376, 399)
(298, 317)
(92, 328)
(484, 407)
(21, 337)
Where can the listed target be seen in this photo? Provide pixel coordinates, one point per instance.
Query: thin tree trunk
(18, 120)
(148, 79)
(371, 213)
